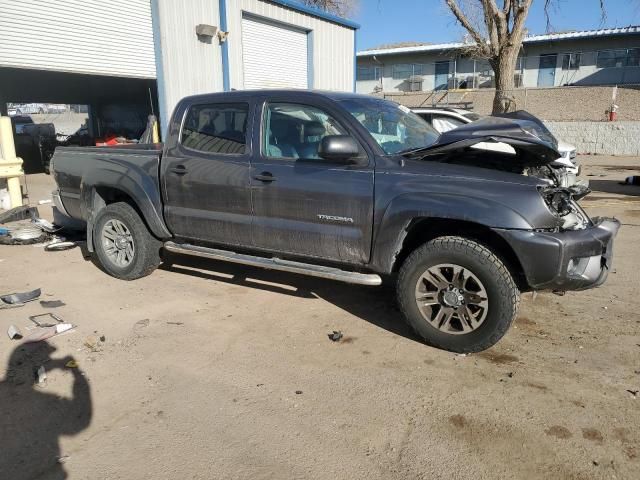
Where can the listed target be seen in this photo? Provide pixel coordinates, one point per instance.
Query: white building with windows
(594, 57)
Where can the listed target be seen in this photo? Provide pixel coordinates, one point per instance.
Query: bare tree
(339, 7)
(496, 34)
(498, 38)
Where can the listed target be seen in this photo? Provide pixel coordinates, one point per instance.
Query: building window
(219, 129)
(405, 70)
(571, 61)
(611, 58)
(633, 57)
(368, 73)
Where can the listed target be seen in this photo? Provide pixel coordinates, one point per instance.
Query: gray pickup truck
(351, 188)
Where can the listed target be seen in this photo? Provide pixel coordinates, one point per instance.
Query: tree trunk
(504, 68)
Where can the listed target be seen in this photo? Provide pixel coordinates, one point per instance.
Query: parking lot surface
(209, 370)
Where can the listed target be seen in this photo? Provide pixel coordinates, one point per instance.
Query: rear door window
(216, 128)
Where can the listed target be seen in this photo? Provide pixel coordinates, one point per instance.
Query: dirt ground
(216, 371)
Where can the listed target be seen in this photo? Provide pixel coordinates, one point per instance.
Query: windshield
(394, 127)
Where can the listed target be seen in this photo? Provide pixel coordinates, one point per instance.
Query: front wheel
(457, 295)
(124, 246)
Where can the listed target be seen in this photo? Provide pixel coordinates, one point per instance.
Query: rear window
(216, 128)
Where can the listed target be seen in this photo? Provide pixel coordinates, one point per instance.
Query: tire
(463, 319)
(136, 262)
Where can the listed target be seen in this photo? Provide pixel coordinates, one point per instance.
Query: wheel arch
(99, 196)
(423, 229)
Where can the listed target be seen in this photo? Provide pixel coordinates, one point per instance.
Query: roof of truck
(291, 93)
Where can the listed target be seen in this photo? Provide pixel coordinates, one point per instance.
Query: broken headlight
(561, 202)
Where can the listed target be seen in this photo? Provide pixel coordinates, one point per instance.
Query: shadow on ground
(32, 420)
(614, 186)
(376, 305)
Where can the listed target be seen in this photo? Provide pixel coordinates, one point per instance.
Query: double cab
(351, 188)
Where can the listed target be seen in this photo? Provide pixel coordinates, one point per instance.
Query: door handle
(179, 170)
(265, 177)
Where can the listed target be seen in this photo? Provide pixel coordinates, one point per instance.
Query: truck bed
(132, 168)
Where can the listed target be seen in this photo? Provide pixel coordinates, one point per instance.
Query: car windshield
(394, 127)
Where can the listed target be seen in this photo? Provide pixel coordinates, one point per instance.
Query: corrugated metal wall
(85, 36)
(186, 64)
(333, 44)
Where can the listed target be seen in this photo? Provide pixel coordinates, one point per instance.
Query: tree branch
(464, 21)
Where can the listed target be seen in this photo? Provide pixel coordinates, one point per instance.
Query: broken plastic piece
(52, 303)
(40, 334)
(58, 246)
(46, 225)
(335, 336)
(14, 333)
(41, 375)
(20, 298)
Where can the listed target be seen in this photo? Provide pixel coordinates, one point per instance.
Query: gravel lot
(211, 370)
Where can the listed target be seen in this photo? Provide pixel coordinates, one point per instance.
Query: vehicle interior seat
(312, 134)
(282, 138)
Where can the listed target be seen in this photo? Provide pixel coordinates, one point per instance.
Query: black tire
(146, 256)
(503, 295)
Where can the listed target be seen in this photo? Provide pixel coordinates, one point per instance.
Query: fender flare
(396, 221)
(136, 184)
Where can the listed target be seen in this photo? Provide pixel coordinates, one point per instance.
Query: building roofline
(316, 13)
(606, 32)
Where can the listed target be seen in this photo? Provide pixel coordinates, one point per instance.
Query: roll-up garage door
(273, 56)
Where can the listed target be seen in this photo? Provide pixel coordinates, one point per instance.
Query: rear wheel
(457, 295)
(124, 246)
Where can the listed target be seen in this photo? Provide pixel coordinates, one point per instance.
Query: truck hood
(533, 143)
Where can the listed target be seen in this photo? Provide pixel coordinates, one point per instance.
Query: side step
(276, 264)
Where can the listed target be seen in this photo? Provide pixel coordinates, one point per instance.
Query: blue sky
(389, 21)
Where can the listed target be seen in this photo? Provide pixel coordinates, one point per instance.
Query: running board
(276, 264)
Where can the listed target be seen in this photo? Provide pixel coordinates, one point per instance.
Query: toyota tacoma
(351, 188)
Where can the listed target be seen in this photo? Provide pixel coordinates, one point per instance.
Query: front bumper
(569, 260)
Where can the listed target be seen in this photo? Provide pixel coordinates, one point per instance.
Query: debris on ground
(43, 333)
(23, 233)
(52, 303)
(632, 180)
(175, 323)
(59, 246)
(14, 333)
(44, 202)
(38, 320)
(19, 213)
(41, 375)
(71, 364)
(335, 336)
(634, 392)
(19, 299)
(93, 343)
(298, 392)
(46, 225)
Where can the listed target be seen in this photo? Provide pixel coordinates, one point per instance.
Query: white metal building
(117, 52)
(265, 44)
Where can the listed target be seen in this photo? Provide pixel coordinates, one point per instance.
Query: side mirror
(338, 148)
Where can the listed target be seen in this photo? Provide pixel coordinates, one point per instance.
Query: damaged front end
(562, 202)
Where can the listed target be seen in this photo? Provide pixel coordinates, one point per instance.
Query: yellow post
(10, 165)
